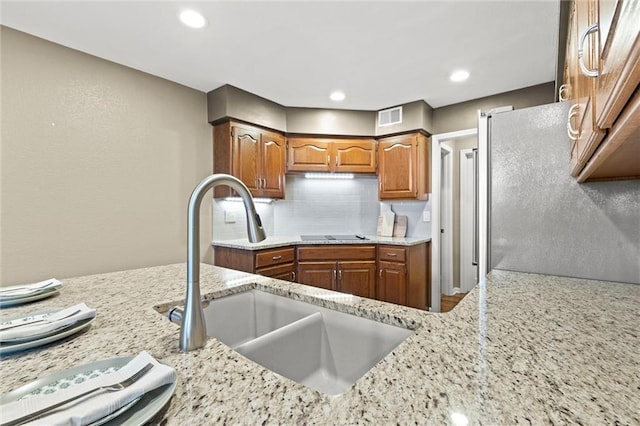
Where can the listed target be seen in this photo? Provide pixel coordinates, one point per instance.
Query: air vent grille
(390, 116)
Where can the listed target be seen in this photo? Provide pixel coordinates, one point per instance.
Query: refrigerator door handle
(475, 246)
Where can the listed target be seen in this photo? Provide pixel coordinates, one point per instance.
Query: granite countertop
(520, 348)
(284, 241)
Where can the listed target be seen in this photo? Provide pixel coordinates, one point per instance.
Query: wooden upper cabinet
(246, 156)
(255, 156)
(602, 73)
(308, 154)
(354, 156)
(616, 57)
(273, 165)
(584, 132)
(403, 169)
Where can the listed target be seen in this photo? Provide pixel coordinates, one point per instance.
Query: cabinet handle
(563, 93)
(276, 258)
(583, 38)
(573, 111)
(328, 160)
(380, 273)
(340, 275)
(392, 254)
(293, 275)
(334, 275)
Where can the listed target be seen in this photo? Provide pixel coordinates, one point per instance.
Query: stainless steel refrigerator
(532, 216)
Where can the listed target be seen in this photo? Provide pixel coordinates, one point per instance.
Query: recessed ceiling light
(192, 19)
(460, 75)
(337, 96)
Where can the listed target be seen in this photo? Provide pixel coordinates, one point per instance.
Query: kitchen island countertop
(520, 348)
(284, 241)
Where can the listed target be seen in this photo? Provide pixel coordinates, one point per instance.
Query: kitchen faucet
(193, 333)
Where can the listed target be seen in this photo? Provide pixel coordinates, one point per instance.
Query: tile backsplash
(321, 206)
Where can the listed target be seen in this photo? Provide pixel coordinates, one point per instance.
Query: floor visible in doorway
(447, 303)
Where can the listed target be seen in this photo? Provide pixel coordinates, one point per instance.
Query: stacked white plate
(54, 399)
(18, 294)
(24, 332)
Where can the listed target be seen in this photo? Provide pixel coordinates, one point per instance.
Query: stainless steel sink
(318, 347)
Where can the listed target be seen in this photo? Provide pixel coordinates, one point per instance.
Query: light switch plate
(229, 216)
(426, 216)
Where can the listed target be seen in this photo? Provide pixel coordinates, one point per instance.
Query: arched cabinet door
(403, 167)
(254, 155)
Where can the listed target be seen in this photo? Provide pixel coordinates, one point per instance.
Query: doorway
(450, 211)
(468, 271)
(446, 219)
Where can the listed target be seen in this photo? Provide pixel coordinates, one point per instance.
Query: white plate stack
(18, 294)
(37, 329)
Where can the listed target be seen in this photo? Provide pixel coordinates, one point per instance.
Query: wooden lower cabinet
(276, 263)
(392, 282)
(391, 273)
(317, 274)
(348, 269)
(404, 275)
(357, 277)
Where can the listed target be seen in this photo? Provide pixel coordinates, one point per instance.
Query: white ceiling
(295, 53)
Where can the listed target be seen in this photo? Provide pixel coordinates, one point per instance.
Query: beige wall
(415, 115)
(465, 115)
(330, 121)
(97, 163)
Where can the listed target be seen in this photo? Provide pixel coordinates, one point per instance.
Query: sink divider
(287, 329)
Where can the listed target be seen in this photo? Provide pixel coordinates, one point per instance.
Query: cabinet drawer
(391, 253)
(337, 252)
(282, 272)
(274, 257)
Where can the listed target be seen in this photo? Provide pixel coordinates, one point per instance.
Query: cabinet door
(354, 156)
(392, 283)
(589, 135)
(357, 278)
(318, 274)
(397, 168)
(246, 156)
(272, 170)
(617, 57)
(309, 155)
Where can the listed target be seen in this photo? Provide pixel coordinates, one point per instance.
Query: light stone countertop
(519, 349)
(284, 241)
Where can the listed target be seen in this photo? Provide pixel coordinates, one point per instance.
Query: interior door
(468, 271)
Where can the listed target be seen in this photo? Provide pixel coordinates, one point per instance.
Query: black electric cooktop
(332, 237)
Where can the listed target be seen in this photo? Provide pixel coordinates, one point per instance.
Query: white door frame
(436, 142)
(468, 272)
(446, 220)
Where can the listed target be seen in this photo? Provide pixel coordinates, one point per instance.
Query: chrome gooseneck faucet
(193, 334)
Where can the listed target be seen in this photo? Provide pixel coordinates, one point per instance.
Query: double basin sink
(323, 349)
